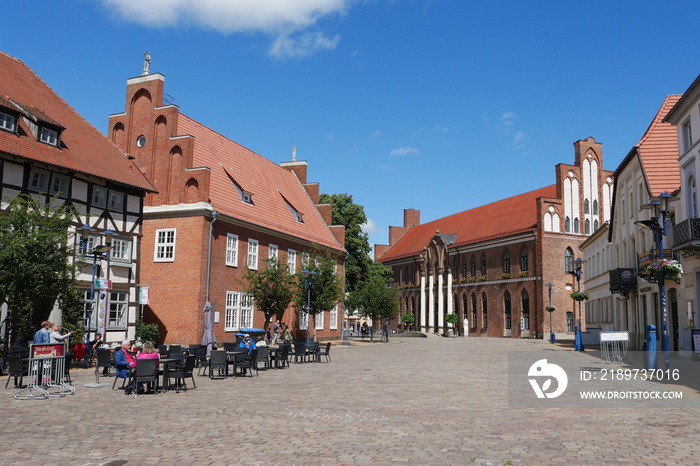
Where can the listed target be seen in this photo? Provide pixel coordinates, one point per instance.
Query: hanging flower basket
(579, 295)
(550, 308)
(663, 269)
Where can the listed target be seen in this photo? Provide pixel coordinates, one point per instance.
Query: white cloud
(376, 134)
(508, 118)
(442, 129)
(281, 18)
(400, 152)
(371, 227)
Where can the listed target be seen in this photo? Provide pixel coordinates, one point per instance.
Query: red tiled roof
(272, 187)
(514, 215)
(84, 149)
(658, 151)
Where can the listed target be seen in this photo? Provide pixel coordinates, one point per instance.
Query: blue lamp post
(659, 232)
(308, 284)
(578, 272)
(98, 252)
(550, 309)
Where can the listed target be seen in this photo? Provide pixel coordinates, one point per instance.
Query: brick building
(48, 150)
(491, 264)
(220, 209)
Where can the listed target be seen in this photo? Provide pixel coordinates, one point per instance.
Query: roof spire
(294, 153)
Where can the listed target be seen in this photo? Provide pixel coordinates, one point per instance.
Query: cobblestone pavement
(424, 401)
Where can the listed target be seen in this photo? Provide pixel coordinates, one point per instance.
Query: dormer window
(246, 197)
(299, 217)
(48, 136)
(7, 122)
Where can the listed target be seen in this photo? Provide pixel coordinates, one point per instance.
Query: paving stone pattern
(413, 401)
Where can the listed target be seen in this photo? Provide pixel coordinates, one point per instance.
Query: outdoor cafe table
(234, 357)
(166, 367)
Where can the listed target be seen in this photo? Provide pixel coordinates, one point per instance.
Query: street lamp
(550, 309)
(578, 346)
(98, 252)
(659, 232)
(308, 284)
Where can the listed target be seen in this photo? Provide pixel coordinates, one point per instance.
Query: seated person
(260, 343)
(125, 362)
(149, 351)
(247, 343)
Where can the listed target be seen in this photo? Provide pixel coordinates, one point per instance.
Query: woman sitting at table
(247, 343)
(149, 352)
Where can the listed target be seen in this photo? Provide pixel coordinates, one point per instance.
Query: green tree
(326, 286)
(35, 270)
(376, 299)
(352, 216)
(272, 289)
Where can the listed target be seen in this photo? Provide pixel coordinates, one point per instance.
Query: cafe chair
(105, 362)
(263, 357)
(249, 363)
(217, 360)
(146, 372)
(183, 371)
(326, 352)
(129, 374)
(201, 358)
(312, 350)
(17, 369)
(299, 352)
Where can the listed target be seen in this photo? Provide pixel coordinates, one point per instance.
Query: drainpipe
(211, 233)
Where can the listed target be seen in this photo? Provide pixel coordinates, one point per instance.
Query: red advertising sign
(49, 350)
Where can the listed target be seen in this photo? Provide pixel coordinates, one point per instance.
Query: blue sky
(437, 105)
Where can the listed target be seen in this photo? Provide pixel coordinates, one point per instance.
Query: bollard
(651, 347)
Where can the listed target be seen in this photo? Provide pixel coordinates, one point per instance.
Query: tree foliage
(326, 285)
(35, 269)
(272, 288)
(376, 299)
(352, 216)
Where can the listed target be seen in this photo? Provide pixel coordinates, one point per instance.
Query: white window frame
(118, 317)
(121, 250)
(165, 240)
(334, 318)
(231, 250)
(60, 184)
(39, 180)
(319, 321)
(253, 246)
(687, 135)
(273, 252)
(292, 261)
(7, 121)
(99, 196)
(48, 136)
(239, 311)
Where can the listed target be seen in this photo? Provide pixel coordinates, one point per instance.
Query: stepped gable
(510, 216)
(83, 148)
(273, 189)
(658, 151)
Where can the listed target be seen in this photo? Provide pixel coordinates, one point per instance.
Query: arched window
(595, 207)
(506, 311)
(473, 310)
(464, 306)
(586, 207)
(692, 198)
(525, 302)
(567, 225)
(473, 266)
(483, 264)
(464, 268)
(576, 227)
(569, 260)
(484, 311)
(524, 261)
(595, 225)
(588, 227)
(455, 268)
(506, 262)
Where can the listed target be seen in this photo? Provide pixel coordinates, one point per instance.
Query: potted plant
(505, 276)
(452, 318)
(663, 269)
(579, 295)
(550, 308)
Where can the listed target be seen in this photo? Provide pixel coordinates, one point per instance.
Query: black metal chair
(249, 364)
(217, 360)
(16, 369)
(105, 361)
(279, 358)
(228, 346)
(325, 352)
(299, 352)
(263, 357)
(312, 350)
(129, 375)
(146, 372)
(163, 351)
(201, 358)
(174, 349)
(183, 371)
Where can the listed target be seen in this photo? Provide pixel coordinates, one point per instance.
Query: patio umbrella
(208, 337)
